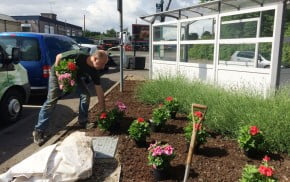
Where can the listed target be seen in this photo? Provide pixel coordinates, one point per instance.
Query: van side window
(58, 45)
(29, 48)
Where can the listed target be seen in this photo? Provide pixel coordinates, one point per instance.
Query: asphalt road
(16, 142)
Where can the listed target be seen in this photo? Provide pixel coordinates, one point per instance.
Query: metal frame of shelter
(263, 80)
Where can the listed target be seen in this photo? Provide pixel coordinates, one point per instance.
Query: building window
(26, 27)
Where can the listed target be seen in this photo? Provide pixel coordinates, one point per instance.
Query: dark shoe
(38, 137)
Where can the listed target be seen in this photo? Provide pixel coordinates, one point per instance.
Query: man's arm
(101, 97)
(57, 60)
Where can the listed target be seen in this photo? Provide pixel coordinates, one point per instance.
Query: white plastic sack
(69, 160)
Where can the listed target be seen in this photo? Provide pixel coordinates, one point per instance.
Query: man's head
(99, 59)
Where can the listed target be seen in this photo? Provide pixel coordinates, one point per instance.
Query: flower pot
(173, 114)
(161, 174)
(253, 153)
(141, 142)
(154, 127)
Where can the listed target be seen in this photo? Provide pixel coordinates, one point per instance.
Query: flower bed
(219, 159)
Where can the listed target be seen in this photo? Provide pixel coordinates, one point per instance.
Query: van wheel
(11, 106)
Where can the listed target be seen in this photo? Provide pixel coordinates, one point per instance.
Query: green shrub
(228, 109)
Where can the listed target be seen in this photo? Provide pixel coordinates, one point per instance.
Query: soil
(220, 159)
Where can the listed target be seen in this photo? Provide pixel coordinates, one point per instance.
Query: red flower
(197, 126)
(160, 105)
(198, 114)
(266, 171)
(266, 158)
(140, 120)
(103, 115)
(71, 66)
(169, 98)
(254, 130)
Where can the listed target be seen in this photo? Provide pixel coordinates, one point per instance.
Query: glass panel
(244, 55)
(165, 33)
(264, 58)
(198, 29)
(245, 25)
(164, 52)
(7, 43)
(197, 53)
(29, 49)
(286, 55)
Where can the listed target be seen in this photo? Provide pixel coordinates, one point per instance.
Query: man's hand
(57, 60)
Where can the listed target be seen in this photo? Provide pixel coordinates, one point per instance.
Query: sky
(100, 15)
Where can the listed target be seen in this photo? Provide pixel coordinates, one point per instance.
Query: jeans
(54, 93)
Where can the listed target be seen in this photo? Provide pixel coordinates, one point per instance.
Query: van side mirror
(15, 55)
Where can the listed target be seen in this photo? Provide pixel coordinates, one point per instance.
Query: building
(8, 24)
(205, 42)
(47, 23)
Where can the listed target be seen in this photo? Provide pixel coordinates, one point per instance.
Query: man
(88, 65)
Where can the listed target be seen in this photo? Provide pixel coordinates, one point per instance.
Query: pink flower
(254, 130)
(72, 82)
(266, 158)
(157, 151)
(121, 106)
(168, 150)
(61, 87)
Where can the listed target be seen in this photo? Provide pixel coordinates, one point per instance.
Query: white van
(248, 57)
(14, 86)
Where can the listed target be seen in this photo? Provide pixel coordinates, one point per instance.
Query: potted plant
(105, 120)
(67, 70)
(262, 174)
(159, 117)
(251, 140)
(201, 134)
(159, 157)
(172, 105)
(139, 130)
(119, 109)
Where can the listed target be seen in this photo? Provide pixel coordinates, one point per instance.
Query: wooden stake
(203, 109)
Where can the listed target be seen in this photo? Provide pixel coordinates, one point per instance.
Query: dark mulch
(219, 159)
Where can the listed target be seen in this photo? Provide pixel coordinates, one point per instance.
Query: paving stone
(105, 147)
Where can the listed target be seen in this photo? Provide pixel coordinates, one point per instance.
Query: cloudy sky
(101, 15)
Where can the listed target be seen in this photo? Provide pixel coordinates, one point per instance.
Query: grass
(227, 110)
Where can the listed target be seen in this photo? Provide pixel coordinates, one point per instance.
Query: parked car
(38, 52)
(89, 44)
(14, 85)
(248, 56)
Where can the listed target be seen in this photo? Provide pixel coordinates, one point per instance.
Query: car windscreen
(29, 47)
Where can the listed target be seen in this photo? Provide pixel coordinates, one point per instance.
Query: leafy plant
(139, 129)
(67, 71)
(105, 120)
(171, 104)
(160, 155)
(262, 174)
(119, 110)
(160, 115)
(250, 138)
(201, 133)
